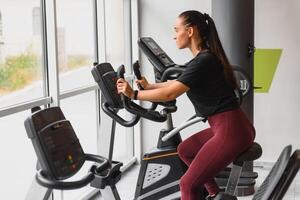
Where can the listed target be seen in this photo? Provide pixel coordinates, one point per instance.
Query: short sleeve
(195, 73)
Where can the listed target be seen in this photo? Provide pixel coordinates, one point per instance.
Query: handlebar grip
(136, 109)
(120, 74)
(121, 71)
(137, 72)
(136, 69)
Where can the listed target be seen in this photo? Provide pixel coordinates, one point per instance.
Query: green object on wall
(265, 64)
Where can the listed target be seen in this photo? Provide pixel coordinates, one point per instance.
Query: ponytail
(210, 40)
(216, 47)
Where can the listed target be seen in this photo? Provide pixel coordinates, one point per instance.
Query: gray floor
(126, 186)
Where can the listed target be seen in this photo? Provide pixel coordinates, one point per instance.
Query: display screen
(152, 45)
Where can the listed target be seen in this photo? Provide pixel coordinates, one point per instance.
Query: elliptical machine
(61, 156)
(164, 66)
(162, 167)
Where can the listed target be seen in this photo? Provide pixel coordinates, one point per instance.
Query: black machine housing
(56, 145)
(60, 155)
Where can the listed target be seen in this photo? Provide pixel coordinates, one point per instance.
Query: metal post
(128, 64)
(52, 51)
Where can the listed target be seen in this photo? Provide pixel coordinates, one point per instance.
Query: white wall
(157, 19)
(276, 114)
(276, 26)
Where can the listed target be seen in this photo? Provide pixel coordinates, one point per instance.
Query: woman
(209, 83)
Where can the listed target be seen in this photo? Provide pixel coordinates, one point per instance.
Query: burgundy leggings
(211, 150)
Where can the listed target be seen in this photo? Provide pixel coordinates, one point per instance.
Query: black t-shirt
(209, 92)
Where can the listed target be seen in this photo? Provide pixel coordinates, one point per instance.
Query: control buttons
(70, 159)
(73, 166)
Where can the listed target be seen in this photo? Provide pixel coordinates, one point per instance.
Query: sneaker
(210, 197)
(221, 196)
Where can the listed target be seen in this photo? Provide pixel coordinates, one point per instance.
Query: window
(115, 32)
(75, 46)
(21, 68)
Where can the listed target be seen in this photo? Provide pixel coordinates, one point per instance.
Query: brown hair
(210, 39)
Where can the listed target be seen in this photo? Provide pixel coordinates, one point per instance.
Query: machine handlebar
(136, 109)
(45, 181)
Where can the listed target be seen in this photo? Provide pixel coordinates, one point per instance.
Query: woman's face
(181, 34)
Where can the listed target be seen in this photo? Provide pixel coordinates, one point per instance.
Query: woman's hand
(124, 87)
(144, 83)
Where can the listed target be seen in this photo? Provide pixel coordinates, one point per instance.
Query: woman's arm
(150, 86)
(168, 92)
(159, 85)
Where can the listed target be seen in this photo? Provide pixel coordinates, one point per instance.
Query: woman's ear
(191, 31)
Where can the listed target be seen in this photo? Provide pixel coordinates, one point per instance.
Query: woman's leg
(231, 137)
(189, 148)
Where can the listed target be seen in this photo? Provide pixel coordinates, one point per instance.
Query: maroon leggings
(211, 150)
